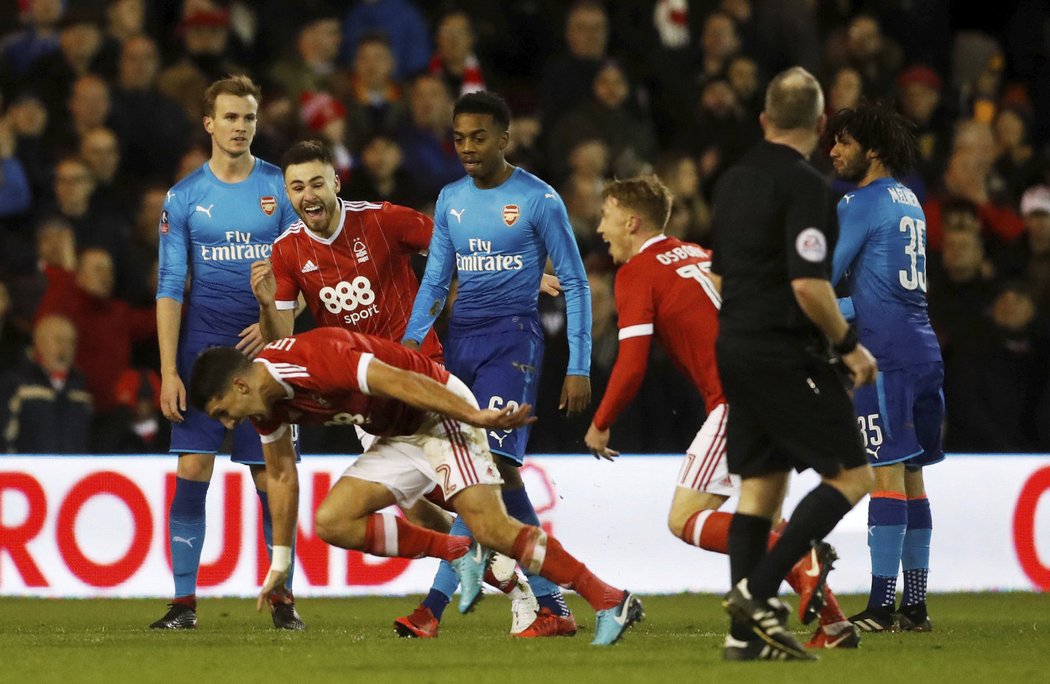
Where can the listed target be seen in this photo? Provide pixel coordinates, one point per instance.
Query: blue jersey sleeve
(433, 290)
(853, 233)
(553, 226)
(174, 249)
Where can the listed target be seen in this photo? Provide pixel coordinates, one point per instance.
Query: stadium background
(100, 113)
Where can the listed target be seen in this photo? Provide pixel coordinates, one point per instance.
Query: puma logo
(183, 540)
(458, 214)
(205, 211)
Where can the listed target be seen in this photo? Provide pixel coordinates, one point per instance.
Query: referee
(774, 235)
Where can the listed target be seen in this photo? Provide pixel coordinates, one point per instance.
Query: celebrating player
(495, 228)
(423, 417)
(882, 254)
(665, 288)
(215, 223)
(352, 263)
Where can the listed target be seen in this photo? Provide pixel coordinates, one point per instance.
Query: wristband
(281, 560)
(848, 343)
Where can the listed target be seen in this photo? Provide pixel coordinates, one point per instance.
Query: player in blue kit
(495, 229)
(215, 223)
(881, 253)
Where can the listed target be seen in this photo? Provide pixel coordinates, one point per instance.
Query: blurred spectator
(325, 117)
(743, 76)
(125, 19)
(568, 77)
(523, 147)
(403, 24)
(381, 175)
(206, 58)
(152, 127)
(719, 43)
(28, 119)
(960, 283)
(582, 190)
(722, 131)
(454, 60)
(15, 193)
(106, 326)
(88, 107)
(845, 89)
(373, 98)
(192, 159)
(53, 244)
(1017, 164)
(141, 279)
(136, 425)
(996, 385)
(20, 49)
(114, 194)
(1029, 258)
(14, 343)
(977, 72)
(313, 64)
(607, 116)
(44, 408)
(426, 140)
(863, 46)
(80, 39)
(690, 215)
(919, 100)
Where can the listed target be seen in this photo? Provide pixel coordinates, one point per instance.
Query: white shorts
(443, 451)
(704, 467)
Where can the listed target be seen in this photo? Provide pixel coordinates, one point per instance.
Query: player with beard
(881, 255)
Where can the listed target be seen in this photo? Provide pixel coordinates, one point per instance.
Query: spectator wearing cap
(404, 25)
(1029, 258)
(206, 58)
(312, 67)
(44, 407)
(325, 117)
(373, 98)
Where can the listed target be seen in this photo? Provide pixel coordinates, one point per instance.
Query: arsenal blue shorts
(499, 359)
(199, 434)
(900, 415)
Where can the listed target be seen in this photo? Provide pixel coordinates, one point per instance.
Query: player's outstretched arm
(282, 488)
(172, 390)
(425, 393)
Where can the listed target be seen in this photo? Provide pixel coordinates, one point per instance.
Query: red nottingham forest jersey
(361, 277)
(324, 373)
(664, 290)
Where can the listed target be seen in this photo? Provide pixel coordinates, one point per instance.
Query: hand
(274, 579)
(575, 394)
(411, 344)
(550, 285)
(264, 284)
(861, 365)
(598, 442)
(172, 397)
(252, 340)
(506, 419)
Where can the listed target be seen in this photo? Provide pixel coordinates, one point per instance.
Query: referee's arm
(817, 300)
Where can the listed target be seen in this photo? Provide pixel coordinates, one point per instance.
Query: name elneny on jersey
(902, 195)
(239, 247)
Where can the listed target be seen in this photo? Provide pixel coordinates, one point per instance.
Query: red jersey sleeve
(634, 307)
(287, 296)
(412, 228)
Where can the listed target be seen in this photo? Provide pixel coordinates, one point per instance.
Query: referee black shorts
(785, 415)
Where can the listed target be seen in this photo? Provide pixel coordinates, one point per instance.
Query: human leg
(915, 558)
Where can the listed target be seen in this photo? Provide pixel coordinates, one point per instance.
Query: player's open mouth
(313, 210)
(470, 164)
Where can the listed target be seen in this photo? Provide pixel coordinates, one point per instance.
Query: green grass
(1000, 638)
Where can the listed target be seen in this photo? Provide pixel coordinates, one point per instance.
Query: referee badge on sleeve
(811, 245)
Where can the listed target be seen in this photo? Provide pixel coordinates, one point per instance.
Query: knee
(334, 529)
(676, 523)
(495, 533)
(858, 483)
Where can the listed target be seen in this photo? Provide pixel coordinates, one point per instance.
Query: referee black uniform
(774, 222)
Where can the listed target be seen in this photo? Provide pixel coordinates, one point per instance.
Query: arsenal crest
(510, 214)
(268, 204)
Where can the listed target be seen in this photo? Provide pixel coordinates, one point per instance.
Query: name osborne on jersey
(239, 247)
(487, 261)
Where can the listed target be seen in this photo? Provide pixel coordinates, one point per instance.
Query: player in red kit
(430, 432)
(665, 288)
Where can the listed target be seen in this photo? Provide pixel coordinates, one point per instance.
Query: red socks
(545, 555)
(709, 530)
(390, 536)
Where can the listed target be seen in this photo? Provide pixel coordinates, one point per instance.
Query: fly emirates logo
(238, 247)
(482, 258)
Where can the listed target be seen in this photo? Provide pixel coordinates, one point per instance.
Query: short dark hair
(213, 373)
(484, 102)
(306, 151)
(880, 129)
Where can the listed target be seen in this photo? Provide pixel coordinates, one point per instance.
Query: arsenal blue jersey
(882, 254)
(498, 240)
(213, 231)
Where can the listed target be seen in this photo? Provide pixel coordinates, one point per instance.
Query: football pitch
(990, 637)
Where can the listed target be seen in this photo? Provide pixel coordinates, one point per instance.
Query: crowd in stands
(101, 108)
